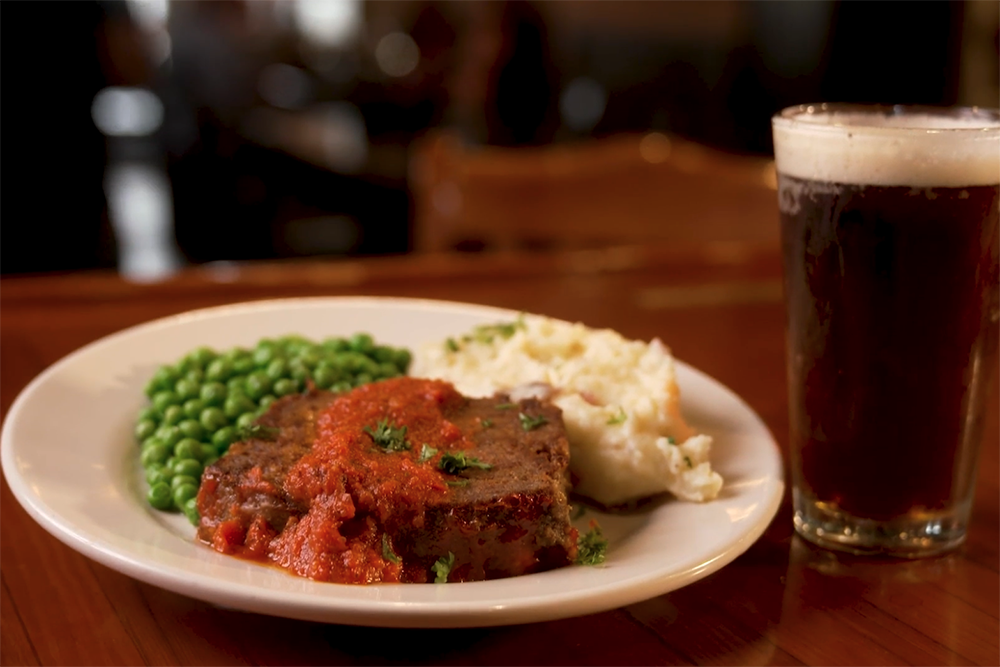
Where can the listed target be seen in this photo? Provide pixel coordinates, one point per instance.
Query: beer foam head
(892, 146)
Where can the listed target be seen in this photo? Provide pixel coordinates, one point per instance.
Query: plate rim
(357, 611)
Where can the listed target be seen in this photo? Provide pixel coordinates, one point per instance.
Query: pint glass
(890, 241)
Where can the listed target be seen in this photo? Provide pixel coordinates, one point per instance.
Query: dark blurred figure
(56, 57)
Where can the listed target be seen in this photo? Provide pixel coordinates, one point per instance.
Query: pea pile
(209, 399)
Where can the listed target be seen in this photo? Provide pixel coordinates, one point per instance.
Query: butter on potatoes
(619, 398)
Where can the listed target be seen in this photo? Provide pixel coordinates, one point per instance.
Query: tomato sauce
(357, 490)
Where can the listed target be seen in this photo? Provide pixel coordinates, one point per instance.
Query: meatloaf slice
(510, 519)
(247, 484)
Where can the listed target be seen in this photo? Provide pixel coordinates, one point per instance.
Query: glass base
(914, 536)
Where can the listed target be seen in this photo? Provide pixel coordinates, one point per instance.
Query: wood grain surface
(718, 307)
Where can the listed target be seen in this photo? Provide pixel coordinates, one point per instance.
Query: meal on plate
(619, 400)
(352, 462)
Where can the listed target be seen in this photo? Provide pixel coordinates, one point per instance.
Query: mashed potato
(619, 399)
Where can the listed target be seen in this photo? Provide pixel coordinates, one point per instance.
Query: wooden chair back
(624, 189)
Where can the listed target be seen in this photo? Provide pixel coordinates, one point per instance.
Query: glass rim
(984, 119)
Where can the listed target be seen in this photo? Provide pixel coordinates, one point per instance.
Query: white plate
(69, 458)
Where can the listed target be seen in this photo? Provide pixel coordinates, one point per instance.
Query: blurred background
(147, 135)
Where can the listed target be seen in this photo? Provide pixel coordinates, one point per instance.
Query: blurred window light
(150, 14)
(127, 112)
(284, 86)
(331, 23)
(397, 54)
(582, 103)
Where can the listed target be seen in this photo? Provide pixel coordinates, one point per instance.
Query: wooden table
(718, 307)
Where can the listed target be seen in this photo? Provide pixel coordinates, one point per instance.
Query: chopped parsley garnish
(591, 547)
(389, 438)
(485, 333)
(442, 568)
(259, 432)
(687, 460)
(426, 453)
(578, 512)
(457, 482)
(505, 406)
(451, 345)
(387, 552)
(529, 423)
(487, 423)
(618, 418)
(455, 462)
(671, 441)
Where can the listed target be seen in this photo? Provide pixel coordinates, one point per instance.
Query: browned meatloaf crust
(509, 520)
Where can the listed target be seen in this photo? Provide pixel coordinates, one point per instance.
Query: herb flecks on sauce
(387, 552)
(592, 547)
(505, 406)
(618, 418)
(389, 438)
(456, 462)
(529, 423)
(442, 568)
(426, 453)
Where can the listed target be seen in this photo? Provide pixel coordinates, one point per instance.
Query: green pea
(264, 355)
(361, 342)
(162, 379)
(246, 420)
(277, 369)
(243, 365)
(190, 510)
(188, 448)
(158, 472)
(219, 370)
(193, 407)
(186, 389)
(172, 415)
(163, 400)
(336, 344)
(213, 393)
(169, 435)
(191, 428)
(148, 412)
(191, 467)
(298, 371)
(145, 429)
(341, 387)
(212, 419)
(285, 386)
(324, 376)
(265, 402)
(258, 384)
(236, 405)
(310, 359)
(210, 460)
(195, 375)
(177, 480)
(362, 378)
(203, 356)
(236, 385)
(183, 493)
(234, 353)
(223, 437)
(387, 370)
(159, 496)
(403, 359)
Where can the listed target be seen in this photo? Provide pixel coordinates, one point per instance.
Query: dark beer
(892, 332)
(890, 232)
